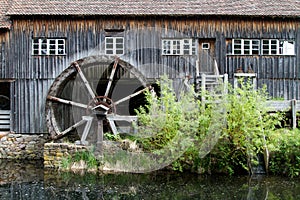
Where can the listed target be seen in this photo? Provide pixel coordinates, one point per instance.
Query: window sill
(49, 55)
(235, 55)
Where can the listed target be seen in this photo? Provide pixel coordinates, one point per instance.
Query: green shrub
(228, 147)
(248, 128)
(285, 158)
(86, 156)
(168, 126)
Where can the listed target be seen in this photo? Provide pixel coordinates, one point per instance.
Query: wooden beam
(86, 83)
(63, 133)
(111, 77)
(67, 102)
(130, 96)
(294, 113)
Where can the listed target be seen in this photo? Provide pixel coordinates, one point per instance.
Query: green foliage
(166, 125)
(65, 162)
(248, 126)
(112, 137)
(240, 139)
(250, 130)
(285, 158)
(221, 135)
(231, 147)
(85, 155)
(165, 118)
(246, 135)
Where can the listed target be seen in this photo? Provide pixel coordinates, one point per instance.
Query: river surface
(28, 180)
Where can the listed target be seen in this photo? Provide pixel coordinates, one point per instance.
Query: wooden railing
(207, 82)
(289, 106)
(5, 120)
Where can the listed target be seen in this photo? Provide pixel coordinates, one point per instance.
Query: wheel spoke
(128, 118)
(71, 128)
(87, 128)
(130, 96)
(64, 101)
(86, 83)
(112, 118)
(111, 77)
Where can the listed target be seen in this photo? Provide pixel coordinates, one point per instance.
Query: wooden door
(207, 56)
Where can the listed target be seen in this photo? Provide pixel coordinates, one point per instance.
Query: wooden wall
(85, 36)
(5, 72)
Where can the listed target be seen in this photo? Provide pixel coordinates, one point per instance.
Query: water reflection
(37, 183)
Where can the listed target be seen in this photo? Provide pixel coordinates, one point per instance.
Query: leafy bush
(167, 127)
(285, 157)
(216, 147)
(248, 128)
(175, 125)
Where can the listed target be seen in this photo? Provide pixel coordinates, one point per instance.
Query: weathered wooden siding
(29, 105)
(5, 71)
(84, 37)
(279, 73)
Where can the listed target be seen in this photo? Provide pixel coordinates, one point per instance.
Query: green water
(37, 183)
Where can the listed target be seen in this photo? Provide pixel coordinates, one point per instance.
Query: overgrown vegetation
(217, 147)
(224, 134)
(246, 135)
(285, 157)
(81, 160)
(165, 119)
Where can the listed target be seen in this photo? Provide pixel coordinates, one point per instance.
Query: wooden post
(254, 81)
(87, 128)
(203, 80)
(235, 81)
(100, 136)
(294, 113)
(252, 76)
(225, 83)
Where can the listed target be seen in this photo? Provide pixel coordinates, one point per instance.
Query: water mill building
(45, 44)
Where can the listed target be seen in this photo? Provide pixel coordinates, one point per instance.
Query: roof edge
(155, 15)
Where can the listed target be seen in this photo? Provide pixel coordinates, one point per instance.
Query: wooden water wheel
(94, 95)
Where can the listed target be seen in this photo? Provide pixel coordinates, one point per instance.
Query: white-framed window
(263, 47)
(270, 47)
(48, 46)
(278, 47)
(246, 46)
(286, 47)
(178, 47)
(205, 45)
(114, 45)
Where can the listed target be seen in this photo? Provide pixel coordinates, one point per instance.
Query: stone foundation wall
(19, 146)
(55, 152)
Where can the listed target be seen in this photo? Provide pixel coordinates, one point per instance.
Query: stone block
(32, 142)
(27, 139)
(63, 145)
(47, 157)
(58, 154)
(4, 139)
(20, 140)
(48, 164)
(22, 146)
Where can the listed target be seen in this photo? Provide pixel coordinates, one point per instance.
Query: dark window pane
(119, 52)
(119, 40)
(109, 40)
